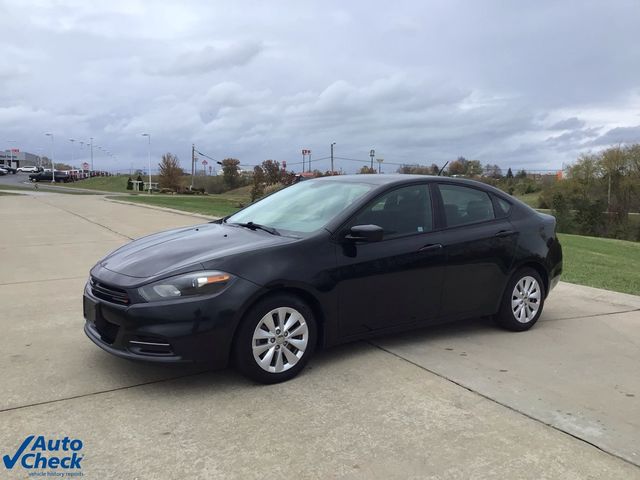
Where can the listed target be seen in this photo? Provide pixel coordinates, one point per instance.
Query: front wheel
(276, 339)
(522, 302)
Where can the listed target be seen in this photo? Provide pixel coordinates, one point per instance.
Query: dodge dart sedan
(323, 262)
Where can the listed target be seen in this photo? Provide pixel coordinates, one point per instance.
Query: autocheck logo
(38, 452)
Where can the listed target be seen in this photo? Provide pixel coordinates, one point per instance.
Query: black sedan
(46, 177)
(323, 262)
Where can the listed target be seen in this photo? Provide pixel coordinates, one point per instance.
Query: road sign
(85, 166)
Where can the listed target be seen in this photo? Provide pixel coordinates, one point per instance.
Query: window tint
(464, 205)
(403, 211)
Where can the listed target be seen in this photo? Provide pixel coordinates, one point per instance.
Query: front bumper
(177, 331)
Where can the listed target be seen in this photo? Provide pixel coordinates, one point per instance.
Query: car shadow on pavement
(195, 379)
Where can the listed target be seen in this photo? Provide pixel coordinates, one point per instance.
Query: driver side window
(403, 211)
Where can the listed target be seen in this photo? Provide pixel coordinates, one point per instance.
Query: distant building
(15, 158)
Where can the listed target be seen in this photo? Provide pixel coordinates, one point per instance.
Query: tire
(264, 350)
(522, 302)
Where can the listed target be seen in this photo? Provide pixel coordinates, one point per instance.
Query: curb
(164, 209)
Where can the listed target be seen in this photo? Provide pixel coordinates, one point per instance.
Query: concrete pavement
(456, 401)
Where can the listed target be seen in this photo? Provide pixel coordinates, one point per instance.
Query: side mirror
(365, 233)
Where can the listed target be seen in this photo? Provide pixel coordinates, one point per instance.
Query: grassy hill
(602, 263)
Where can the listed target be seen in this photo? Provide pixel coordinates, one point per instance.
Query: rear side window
(464, 205)
(403, 211)
(503, 208)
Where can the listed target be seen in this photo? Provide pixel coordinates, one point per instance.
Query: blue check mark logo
(10, 462)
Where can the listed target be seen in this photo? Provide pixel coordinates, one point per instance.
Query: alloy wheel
(525, 299)
(280, 339)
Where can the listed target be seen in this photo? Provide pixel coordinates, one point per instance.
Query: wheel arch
(539, 268)
(304, 295)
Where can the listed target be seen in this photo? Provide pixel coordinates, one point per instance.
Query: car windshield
(304, 207)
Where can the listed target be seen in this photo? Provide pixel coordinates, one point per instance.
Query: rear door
(480, 245)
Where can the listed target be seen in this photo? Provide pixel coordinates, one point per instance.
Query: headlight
(187, 285)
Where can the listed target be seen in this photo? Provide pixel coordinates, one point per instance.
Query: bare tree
(170, 172)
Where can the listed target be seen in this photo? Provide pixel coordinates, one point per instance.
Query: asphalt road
(14, 179)
(457, 401)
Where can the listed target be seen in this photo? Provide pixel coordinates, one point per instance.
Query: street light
(53, 165)
(148, 135)
(72, 140)
(91, 138)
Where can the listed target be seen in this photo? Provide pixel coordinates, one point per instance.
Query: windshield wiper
(257, 226)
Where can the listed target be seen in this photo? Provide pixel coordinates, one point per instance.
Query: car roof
(385, 179)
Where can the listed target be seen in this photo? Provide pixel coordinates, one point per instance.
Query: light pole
(372, 153)
(53, 165)
(72, 140)
(148, 135)
(91, 138)
(332, 157)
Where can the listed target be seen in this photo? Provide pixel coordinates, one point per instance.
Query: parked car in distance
(8, 168)
(28, 169)
(3, 171)
(323, 262)
(46, 177)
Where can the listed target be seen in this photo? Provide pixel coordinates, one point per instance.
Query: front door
(398, 280)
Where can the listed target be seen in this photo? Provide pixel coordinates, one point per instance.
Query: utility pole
(193, 162)
(332, 157)
(53, 165)
(304, 153)
(309, 160)
(372, 153)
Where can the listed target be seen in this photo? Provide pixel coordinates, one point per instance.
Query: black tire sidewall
(243, 353)
(505, 316)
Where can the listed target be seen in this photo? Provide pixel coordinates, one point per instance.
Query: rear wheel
(522, 302)
(276, 339)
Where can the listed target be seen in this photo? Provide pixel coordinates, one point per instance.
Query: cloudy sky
(521, 84)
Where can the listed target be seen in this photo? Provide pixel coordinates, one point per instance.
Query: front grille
(109, 293)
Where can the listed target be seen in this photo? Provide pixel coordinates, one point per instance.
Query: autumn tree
(230, 172)
(257, 190)
(458, 166)
(170, 172)
(272, 172)
(366, 169)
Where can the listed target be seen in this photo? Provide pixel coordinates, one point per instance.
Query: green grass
(8, 194)
(46, 187)
(117, 183)
(213, 205)
(602, 263)
(530, 199)
(14, 187)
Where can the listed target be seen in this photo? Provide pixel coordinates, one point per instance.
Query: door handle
(504, 233)
(431, 248)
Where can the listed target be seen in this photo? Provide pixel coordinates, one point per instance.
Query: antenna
(443, 167)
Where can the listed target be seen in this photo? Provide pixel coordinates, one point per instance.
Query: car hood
(175, 250)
